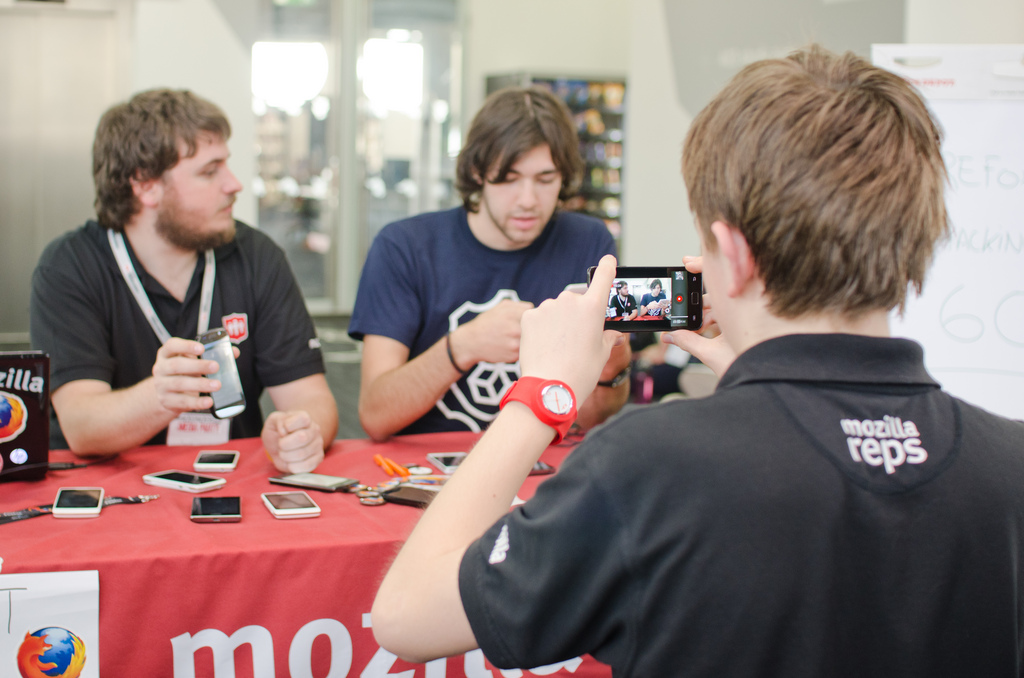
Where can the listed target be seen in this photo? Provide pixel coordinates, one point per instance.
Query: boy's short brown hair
(511, 122)
(831, 169)
(140, 139)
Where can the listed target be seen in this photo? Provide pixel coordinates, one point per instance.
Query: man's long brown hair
(831, 169)
(140, 139)
(511, 122)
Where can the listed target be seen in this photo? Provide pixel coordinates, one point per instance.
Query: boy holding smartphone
(829, 511)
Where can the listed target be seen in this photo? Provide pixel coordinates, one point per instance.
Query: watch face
(557, 399)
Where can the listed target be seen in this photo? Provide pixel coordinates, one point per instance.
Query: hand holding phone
(229, 400)
(654, 299)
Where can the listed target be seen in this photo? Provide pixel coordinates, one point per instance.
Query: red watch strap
(528, 390)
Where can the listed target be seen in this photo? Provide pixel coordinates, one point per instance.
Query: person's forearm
(602, 403)
(605, 401)
(402, 395)
(479, 493)
(113, 421)
(324, 412)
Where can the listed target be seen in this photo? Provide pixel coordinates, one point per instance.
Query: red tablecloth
(298, 591)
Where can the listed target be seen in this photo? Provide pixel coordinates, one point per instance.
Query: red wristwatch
(551, 401)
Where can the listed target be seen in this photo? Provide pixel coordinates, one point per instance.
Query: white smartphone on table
(184, 481)
(446, 462)
(216, 460)
(291, 504)
(78, 502)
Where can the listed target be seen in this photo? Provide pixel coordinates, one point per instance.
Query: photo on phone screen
(654, 299)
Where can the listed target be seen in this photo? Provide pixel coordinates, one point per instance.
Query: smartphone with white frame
(291, 504)
(184, 481)
(216, 460)
(446, 462)
(78, 502)
(216, 509)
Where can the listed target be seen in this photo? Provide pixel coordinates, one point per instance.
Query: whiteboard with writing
(970, 317)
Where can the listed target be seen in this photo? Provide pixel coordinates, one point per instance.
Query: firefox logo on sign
(12, 416)
(52, 652)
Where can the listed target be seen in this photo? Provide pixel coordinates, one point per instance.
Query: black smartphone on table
(654, 299)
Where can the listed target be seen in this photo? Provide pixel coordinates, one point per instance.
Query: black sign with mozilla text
(24, 415)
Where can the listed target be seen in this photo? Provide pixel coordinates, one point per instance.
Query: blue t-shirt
(426, 275)
(649, 299)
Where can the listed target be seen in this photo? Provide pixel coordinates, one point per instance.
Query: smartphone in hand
(654, 299)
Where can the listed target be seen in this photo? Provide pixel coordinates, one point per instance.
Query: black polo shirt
(84, 315)
(623, 307)
(828, 511)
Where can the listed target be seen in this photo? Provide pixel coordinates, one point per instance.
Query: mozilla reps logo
(889, 442)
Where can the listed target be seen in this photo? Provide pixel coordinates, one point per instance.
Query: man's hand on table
(293, 441)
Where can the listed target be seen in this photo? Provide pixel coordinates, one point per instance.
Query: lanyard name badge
(189, 428)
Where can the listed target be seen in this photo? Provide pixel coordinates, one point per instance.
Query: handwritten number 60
(961, 321)
(967, 327)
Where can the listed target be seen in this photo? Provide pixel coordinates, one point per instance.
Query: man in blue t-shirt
(654, 303)
(441, 294)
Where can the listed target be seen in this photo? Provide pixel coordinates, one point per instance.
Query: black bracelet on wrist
(619, 378)
(451, 358)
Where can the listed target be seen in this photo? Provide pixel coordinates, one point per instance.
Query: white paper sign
(970, 318)
(50, 625)
(198, 428)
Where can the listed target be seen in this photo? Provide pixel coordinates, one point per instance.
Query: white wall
(657, 228)
(187, 44)
(654, 201)
(547, 37)
(956, 21)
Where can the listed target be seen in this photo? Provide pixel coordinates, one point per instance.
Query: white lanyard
(124, 262)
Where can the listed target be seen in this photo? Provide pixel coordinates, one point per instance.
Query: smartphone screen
(79, 498)
(290, 504)
(229, 401)
(182, 480)
(446, 462)
(217, 509)
(654, 299)
(78, 502)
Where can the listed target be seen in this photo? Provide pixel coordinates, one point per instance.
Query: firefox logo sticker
(13, 416)
(52, 652)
